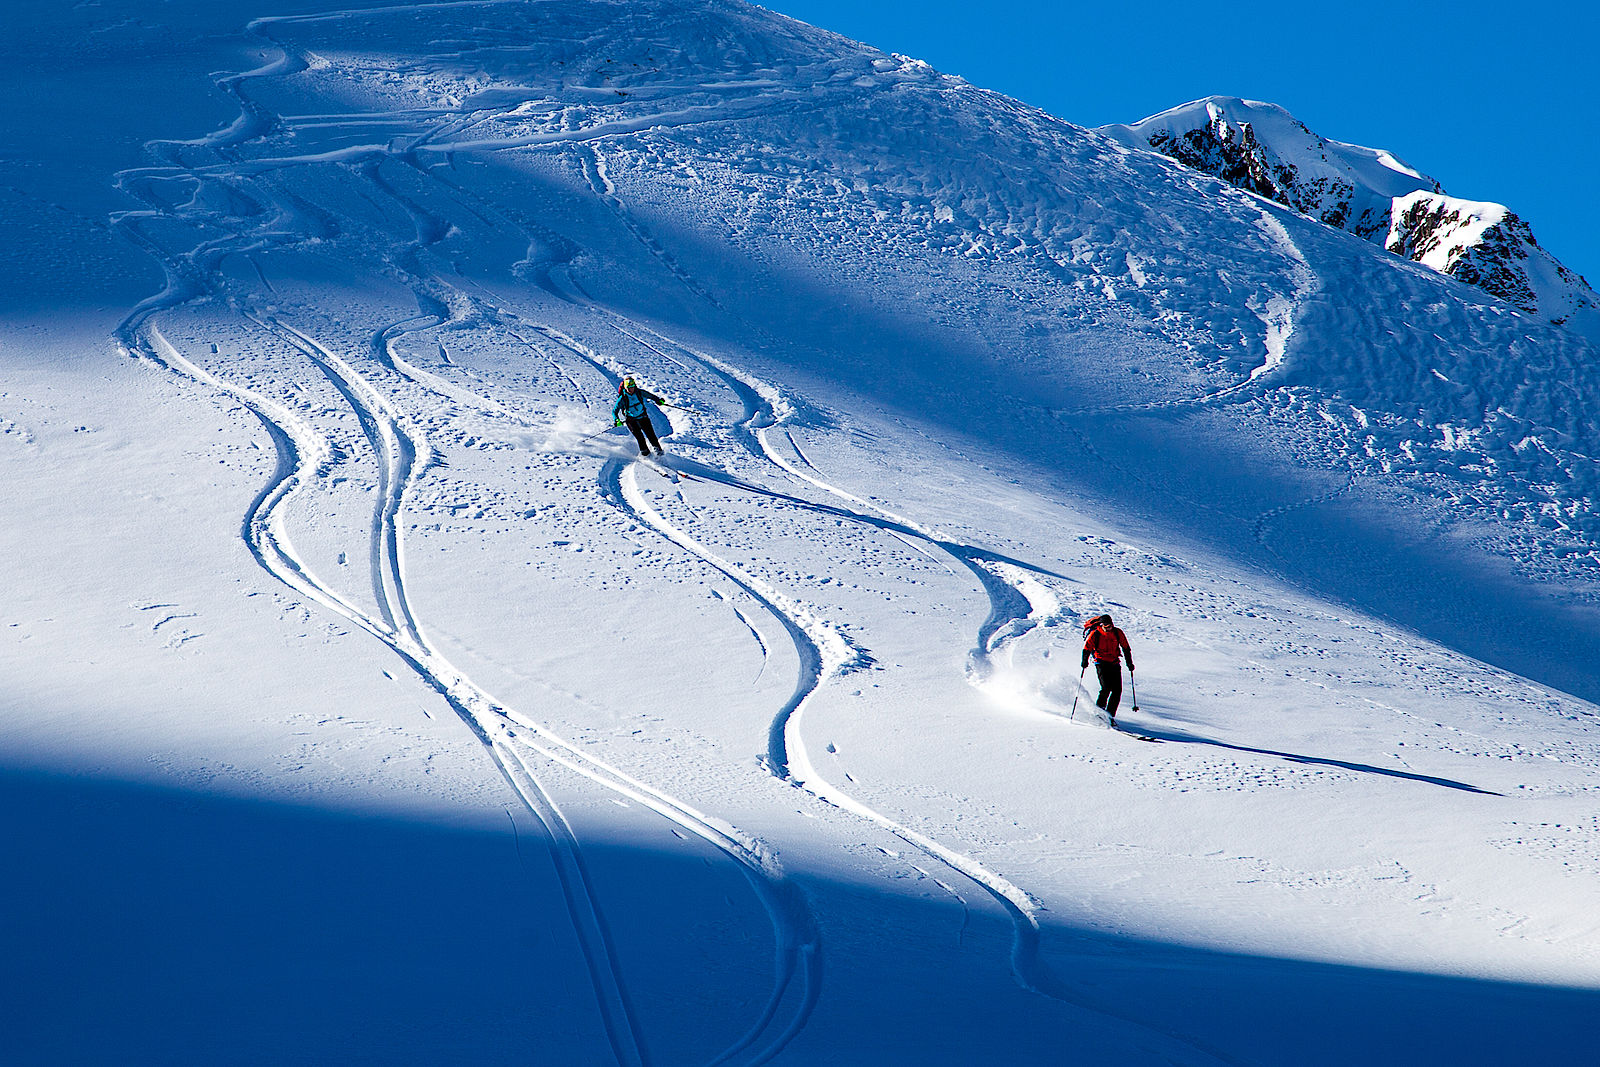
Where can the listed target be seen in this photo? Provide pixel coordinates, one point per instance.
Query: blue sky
(1496, 101)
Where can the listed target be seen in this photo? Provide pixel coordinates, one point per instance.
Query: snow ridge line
(1277, 318)
(1278, 315)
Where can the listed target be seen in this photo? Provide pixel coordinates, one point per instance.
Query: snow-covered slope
(370, 700)
(1261, 148)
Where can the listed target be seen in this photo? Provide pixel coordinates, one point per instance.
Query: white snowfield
(369, 700)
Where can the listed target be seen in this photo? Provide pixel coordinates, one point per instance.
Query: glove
(1085, 659)
(1130, 666)
(616, 422)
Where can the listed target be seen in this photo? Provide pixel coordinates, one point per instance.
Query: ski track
(402, 456)
(1017, 604)
(824, 651)
(508, 736)
(493, 723)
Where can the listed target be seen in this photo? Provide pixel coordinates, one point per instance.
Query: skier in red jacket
(1106, 644)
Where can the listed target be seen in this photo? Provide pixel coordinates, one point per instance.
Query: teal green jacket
(631, 403)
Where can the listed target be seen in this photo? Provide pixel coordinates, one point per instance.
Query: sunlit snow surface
(373, 701)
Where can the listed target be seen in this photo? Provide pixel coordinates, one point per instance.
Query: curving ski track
(401, 456)
(510, 737)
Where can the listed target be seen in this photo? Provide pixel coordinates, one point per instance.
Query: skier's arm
(1127, 652)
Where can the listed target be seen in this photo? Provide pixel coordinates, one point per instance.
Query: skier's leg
(638, 435)
(650, 432)
(1110, 675)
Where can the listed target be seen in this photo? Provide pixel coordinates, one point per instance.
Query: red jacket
(1106, 646)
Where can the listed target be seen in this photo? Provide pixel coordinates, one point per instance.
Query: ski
(666, 472)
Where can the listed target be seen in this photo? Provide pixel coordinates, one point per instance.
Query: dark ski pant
(1110, 685)
(641, 430)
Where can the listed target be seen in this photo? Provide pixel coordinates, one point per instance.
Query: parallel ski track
(1012, 613)
(824, 653)
(491, 722)
(509, 736)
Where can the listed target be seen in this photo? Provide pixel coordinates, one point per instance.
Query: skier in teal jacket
(630, 409)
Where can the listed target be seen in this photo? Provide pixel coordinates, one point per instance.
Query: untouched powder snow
(370, 700)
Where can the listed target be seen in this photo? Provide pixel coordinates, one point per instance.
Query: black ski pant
(641, 430)
(1110, 685)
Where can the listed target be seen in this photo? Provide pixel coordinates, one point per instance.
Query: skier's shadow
(1180, 737)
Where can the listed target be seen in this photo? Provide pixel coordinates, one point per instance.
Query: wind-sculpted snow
(933, 361)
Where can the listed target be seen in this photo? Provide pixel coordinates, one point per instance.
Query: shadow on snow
(144, 924)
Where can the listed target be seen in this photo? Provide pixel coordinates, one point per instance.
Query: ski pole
(1133, 689)
(1079, 692)
(597, 433)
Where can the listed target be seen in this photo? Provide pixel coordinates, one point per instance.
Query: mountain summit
(1263, 149)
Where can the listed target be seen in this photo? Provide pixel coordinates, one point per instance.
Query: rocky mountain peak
(1263, 149)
